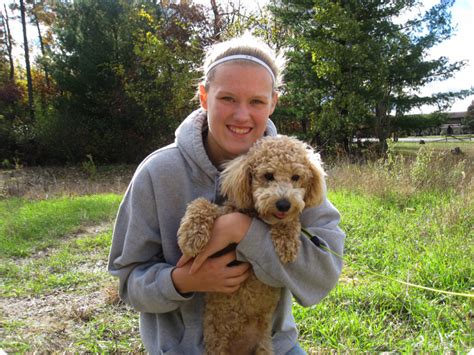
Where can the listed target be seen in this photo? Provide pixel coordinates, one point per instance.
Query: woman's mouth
(239, 130)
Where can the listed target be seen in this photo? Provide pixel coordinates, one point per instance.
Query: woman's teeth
(238, 130)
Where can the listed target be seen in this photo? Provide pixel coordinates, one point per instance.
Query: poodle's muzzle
(279, 202)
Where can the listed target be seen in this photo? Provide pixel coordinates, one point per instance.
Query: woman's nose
(242, 112)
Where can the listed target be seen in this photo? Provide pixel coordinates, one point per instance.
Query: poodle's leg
(286, 240)
(196, 226)
(265, 346)
(216, 341)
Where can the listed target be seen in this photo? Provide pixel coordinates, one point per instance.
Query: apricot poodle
(274, 181)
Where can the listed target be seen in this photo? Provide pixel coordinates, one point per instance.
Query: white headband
(241, 57)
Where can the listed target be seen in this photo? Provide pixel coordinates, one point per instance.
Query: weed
(89, 167)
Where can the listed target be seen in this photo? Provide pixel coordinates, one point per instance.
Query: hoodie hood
(189, 140)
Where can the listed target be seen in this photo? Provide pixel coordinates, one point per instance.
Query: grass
(466, 144)
(28, 226)
(368, 312)
(409, 219)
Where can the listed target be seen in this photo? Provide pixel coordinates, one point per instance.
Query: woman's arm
(136, 256)
(148, 281)
(315, 271)
(228, 229)
(214, 275)
(310, 277)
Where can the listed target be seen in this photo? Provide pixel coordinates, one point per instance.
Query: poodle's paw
(287, 256)
(286, 243)
(196, 226)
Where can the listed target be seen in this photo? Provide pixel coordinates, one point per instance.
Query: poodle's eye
(295, 177)
(269, 177)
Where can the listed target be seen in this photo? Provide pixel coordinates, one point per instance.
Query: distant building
(451, 129)
(166, 3)
(453, 125)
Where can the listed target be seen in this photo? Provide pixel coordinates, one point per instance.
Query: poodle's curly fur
(274, 181)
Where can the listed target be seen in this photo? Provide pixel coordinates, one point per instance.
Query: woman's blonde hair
(246, 45)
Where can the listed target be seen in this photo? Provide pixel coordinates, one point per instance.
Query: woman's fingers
(234, 283)
(227, 229)
(205, 254)
(183, 260)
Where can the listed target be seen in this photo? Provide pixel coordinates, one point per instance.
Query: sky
(459, 47)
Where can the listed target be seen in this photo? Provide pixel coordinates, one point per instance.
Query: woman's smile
(238, 101)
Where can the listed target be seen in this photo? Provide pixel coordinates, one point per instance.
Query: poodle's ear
(236, 182)
(317, 184)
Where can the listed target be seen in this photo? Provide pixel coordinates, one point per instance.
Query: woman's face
(239, 100)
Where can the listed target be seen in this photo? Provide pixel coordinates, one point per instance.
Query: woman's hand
(213, 276)
(229, 228)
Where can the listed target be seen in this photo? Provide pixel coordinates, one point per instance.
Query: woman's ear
(203, 96)
(236, 182)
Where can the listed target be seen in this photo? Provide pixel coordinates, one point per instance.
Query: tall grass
(403, 176)
(416, 239)
(405, 219)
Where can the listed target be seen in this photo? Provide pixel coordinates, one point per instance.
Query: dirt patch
(52, 321)
(48, 317)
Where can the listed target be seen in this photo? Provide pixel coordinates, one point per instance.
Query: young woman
(237, 95)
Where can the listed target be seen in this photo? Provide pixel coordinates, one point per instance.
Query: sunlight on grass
(411, 240)
(33, 225)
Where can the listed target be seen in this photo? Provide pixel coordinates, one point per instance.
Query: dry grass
(40, 183)
(405, 175)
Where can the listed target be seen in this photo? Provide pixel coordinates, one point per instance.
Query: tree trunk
(27, 61)
(382, 126)
(217, 21)
(46, 73)
(9, 44)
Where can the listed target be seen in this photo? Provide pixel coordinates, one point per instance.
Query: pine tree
(355, 63)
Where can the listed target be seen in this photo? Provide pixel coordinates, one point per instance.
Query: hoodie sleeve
(136, 255)
(315, 272)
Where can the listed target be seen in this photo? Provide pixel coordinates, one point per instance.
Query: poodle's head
(278, 177)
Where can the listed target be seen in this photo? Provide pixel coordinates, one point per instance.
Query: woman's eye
(227, 98)
(295, 177)
(257, 102)
(269, 177)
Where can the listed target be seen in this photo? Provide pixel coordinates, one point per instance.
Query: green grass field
(466, 146)
(56, 295)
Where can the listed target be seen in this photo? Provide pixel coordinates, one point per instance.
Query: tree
(27, 61)
(40, 12)
(354, 60)
(8, 41)
(468, 121)
(126, 72)
(93, 110)
(162, 80)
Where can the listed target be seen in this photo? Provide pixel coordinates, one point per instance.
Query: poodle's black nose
(283, 205)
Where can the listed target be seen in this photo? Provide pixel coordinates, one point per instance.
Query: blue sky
(459, 47)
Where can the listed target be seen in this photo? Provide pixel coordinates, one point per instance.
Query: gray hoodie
(144, 248)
